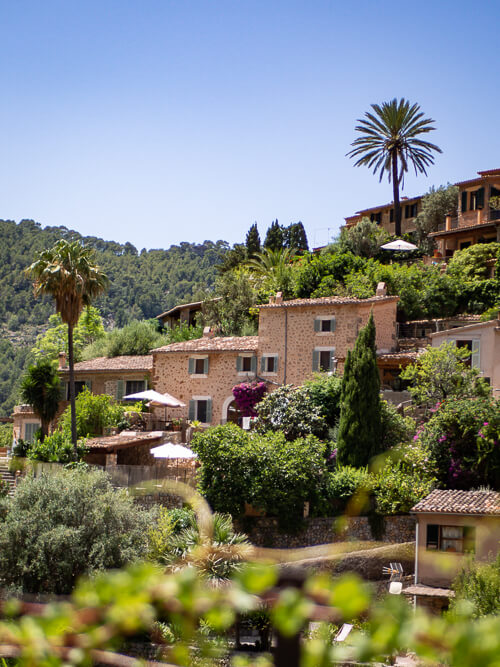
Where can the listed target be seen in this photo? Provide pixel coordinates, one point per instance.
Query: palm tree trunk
(72, 389)
(395, 190)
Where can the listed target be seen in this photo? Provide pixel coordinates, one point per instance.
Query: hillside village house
(452, 527)
(476, 222)
(482, 339)
(296, 338)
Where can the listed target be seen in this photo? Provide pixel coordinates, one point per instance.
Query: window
(457, 539)
(134, 386)
(376, 217)
(246, 363)
(477, 199)
(391, 215)
(29, 430)
(324, 359)
(324, 324)
(79, 387)
(198, 366)
(269, 363)
(464, 201)
(200, 409)
(474, 347)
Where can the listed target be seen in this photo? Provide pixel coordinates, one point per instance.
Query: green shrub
(56, 448)
(6, 435)
(479, 584)
(61, 526)
(267, 471)
(94, 413)
(345, 484)
(406, 476)
(324, 392)
(396, 429)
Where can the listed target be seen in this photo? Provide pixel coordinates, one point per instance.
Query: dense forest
(142, 285)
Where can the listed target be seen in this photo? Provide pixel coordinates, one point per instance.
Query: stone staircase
(7, 476)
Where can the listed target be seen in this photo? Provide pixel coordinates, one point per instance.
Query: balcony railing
(494, 214)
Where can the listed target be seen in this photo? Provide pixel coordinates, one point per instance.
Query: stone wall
(264, 531)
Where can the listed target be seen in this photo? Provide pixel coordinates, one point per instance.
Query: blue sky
(157, 122)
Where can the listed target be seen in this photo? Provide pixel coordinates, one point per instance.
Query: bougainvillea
(247, 395)
(463, 438)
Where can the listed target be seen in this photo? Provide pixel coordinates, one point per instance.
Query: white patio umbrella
(156, 399)
(399, 244)
(172, 451)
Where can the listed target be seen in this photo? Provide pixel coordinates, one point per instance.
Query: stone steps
(6, 475)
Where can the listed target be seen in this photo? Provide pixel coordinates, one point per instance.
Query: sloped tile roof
(460, 502)
(216, 344)
(457, 230)
(328, 301)
(124, 440)
(125, 363)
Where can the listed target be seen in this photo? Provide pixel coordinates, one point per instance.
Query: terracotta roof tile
(457, 230)
(125, 363)
(124, 440)
(328, 301)
(460, 502)
(216, 344)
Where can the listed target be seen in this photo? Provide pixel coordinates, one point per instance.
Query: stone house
(296, 338)
(452, 527)
(384, 215)
(482, 339)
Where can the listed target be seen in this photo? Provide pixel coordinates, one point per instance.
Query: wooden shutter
(120, 390)
(253, 364)
(205, 366)
(239, 363)
(64, 391)
(315, 360)
(464, 201)
(262, 364)
(333, 324)
(192, 411)
(275, 363)
(475, 356)
(191, 366)
(480, 198)
(317, 324)
(209, 411)
(332, 357)
(88, 384)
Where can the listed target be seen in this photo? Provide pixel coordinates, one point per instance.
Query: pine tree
(253, 241)
(295, 237)
(274, 236)
(360, 428)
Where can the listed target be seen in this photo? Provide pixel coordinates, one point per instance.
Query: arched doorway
(232, 413)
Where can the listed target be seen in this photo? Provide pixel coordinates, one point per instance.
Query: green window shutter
(464, 201)
(253, 364)
(333, 324)
(192, 411)
(88, 384)
(475, 356)
(480, 198)
(191, 366)
(262, 364)
(205, 366)
(120, 390)
(317, 324)
(275, 363)
(315, 360)
(64, 391)
(332, 357)
(239, 363)
(145, 384)
(209, 411)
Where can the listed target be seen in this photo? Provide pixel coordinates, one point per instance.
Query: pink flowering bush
(463, 438)
(247, 395)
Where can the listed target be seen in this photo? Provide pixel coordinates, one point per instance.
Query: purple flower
(415, 437)
(485, 423)
(442, 438)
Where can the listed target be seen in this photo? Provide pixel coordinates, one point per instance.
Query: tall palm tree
(68, 273)
(390, 142)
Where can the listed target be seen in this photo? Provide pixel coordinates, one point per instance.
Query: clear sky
(160, 121)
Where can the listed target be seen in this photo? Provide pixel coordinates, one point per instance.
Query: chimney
(279, 297)
(208, 333)
(381, 289)
(62, 360)
(271, 299)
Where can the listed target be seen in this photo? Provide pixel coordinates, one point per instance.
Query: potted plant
(176, 424)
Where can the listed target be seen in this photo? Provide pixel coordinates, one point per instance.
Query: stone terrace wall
(265, 532)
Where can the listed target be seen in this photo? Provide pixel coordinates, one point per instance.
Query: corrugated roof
(216, 344)
(428, 591)
(328, 301)
(125, 363)
(460, 502)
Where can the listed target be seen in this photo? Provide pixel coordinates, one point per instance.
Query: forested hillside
(142, 285)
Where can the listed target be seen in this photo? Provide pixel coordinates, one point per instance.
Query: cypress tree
(360, 427)
(253, 241)
(296, 238)
(274, 236)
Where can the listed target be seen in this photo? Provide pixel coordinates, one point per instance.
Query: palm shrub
(41, 388)
(63, 525)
